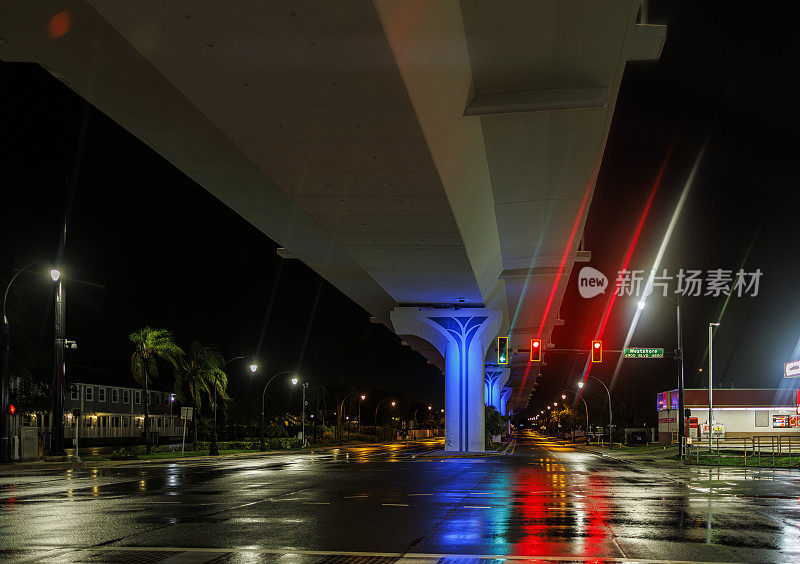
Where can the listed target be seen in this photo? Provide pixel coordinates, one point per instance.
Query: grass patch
(732, 459)
(192, 453)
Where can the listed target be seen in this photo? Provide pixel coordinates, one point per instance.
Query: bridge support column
(462, 337)
(505, 395)
(496, 378)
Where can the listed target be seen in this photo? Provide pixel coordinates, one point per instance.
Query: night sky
(147, 246)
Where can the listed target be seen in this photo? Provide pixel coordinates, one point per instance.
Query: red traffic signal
(536, 350)
(597, 351)
(12, 409)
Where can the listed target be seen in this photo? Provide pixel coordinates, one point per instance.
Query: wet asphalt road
(542, 500)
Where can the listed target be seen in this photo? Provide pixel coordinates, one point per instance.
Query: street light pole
(680, 419)
(214, 450)
(587, 412)
(303, 426)
(57, 420)
(376, 416)
(580, 385)
(5, 377)
(711, 382)
(263, 397)
(363, 397)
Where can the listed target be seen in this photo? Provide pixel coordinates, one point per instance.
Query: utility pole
(711, 382)
(681, 419)
(303, 426)
(57, 426)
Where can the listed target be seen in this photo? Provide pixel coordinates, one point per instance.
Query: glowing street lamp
(55, 274)
(380, 403)
(253, 367)
(563, 396)
(294, 381)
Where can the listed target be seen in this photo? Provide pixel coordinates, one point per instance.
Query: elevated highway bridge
(435, 161)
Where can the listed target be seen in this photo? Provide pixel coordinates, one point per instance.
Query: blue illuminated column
(462, 337)
(496, 378)
(505, 395)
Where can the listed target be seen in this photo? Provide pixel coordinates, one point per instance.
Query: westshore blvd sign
(642, 352)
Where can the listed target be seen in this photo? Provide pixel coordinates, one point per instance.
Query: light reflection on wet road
(541, 500)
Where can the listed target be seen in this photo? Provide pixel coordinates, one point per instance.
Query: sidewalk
(651, 454)
(73, 465)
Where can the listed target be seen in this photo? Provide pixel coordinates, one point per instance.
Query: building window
(126, 422)
(101, 394)
(137, 396)
(115, 395)
(157, 397)
(73, 392)
(89, 393)
(126, 396)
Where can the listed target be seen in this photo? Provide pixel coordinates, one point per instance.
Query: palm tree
(151, 345)
(198, 373)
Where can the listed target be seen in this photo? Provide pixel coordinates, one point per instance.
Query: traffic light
(502, 350)
(12, 409)
(536, 350)
(597, 351)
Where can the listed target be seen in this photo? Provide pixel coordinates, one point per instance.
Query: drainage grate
(347, 559)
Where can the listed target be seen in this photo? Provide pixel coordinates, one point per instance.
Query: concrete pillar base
(462, 337)
(496, 378)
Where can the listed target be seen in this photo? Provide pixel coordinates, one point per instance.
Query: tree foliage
(196, 374)
(150, 346)
(495, 424)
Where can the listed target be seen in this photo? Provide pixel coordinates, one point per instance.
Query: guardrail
(764, 451)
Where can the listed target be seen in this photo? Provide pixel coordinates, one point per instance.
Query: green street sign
(642, 352)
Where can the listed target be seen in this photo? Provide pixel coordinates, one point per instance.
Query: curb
(441, 454)
(73, 465)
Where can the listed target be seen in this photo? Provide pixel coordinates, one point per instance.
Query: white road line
(317, 502)
(395, 504)
(477, 507)
(292, 551)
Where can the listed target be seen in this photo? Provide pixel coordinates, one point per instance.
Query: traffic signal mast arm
(667, 354)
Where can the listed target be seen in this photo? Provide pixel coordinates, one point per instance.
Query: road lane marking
(477, 507)
(420, 494)
(303, 552)
(317, 502)
(395, 504)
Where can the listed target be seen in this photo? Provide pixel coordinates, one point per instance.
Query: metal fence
(774, 451)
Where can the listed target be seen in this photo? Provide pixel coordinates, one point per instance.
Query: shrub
(275, 431)
(123, 454)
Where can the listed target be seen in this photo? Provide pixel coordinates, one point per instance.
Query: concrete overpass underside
(413, 153)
